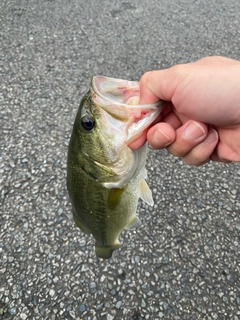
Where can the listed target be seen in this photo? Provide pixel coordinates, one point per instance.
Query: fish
(105, 177)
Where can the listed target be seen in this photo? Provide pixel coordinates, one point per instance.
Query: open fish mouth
(120, 99)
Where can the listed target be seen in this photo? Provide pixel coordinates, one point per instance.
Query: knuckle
(194, 162)
(144, 78)
(177, 151)
(196, 157)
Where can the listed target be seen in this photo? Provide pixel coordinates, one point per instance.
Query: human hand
(201, 120)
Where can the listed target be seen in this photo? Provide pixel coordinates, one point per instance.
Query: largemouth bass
(105, 177)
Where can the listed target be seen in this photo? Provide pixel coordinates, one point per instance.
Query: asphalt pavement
(184, 261)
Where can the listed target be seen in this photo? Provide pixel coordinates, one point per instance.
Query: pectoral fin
(114, 197)
(146, 193)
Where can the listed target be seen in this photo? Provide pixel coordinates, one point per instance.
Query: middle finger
(187, 137)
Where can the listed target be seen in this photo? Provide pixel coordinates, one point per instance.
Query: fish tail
(106, 252)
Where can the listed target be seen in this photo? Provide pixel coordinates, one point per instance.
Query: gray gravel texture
(183, 262)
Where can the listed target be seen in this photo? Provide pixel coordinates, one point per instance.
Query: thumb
(157, 85)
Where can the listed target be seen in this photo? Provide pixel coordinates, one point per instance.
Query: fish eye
(88, 122)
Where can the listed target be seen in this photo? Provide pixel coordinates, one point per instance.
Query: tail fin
(106, 252)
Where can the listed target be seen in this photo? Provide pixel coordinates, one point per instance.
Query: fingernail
(194, 131)
(212, 136)
(161, 137)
